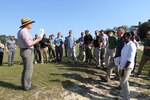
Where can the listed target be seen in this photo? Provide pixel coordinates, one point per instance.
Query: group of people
(117, 50)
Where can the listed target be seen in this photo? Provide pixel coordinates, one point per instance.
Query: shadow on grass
(140, 96)
(86, 70)
(77, 77)
(80, 85)
(9, 85)
(84, 91)
(71, 64)
(77, 84)
(141, 85)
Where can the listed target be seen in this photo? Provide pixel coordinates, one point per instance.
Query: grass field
(66, 82)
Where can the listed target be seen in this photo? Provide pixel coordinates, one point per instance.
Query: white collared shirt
(128, 54)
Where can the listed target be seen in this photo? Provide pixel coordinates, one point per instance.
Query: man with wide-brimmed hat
(25, 43)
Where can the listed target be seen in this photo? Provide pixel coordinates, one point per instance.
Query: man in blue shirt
(58, 41)
(71, 48)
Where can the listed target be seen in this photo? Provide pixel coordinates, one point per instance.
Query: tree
(143, 29)
(3, 38)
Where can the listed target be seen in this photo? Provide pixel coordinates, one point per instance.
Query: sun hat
(25, 21)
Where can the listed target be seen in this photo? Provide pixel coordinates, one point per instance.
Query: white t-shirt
(128, 54)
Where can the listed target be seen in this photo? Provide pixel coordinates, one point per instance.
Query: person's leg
(135, 60)
(111, 66)
(9, 57)
(96, 56)
(39, 55)
(69, 54)
(56, 49)
(42, 55)
(66, 52)
(46, 53)
(50, 52)
(89, 55)
(13, 55)
(74, 54)
(27, 57)
(102, 56)
(125, 85)
(80, 53)
(53, 53)
(61, 53)
(112, 54)
(35, 55)
(86, 53)
(116, 72)
(143, 61)
(107, 57)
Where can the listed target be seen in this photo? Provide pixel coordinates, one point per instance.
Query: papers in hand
(41, 32)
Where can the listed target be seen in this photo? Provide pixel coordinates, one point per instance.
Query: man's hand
(125, 70)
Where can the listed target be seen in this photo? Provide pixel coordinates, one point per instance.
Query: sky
(77, 15)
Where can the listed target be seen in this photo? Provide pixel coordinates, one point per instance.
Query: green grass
(50, 79)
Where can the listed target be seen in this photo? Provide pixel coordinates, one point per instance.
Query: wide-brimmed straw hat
(25, 21)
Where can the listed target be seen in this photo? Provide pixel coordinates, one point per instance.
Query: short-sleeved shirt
(112, 42)
(10, 45)
(146, 52)
(104, 40)
(44, 43)
(70, 40)
(88, 39)
(24, 38)
(58, 41)
(128, 54)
